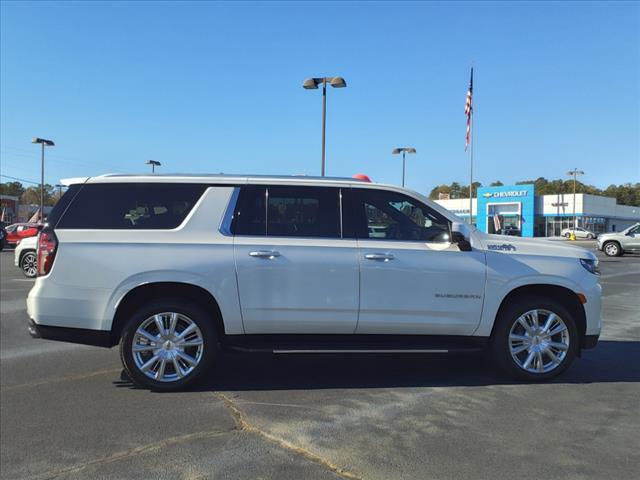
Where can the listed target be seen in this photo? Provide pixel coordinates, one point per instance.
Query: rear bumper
(98, 338)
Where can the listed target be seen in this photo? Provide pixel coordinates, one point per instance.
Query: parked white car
(578, 232)
(175, 268)
(25, 258)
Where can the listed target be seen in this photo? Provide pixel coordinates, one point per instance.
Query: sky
(209, 87)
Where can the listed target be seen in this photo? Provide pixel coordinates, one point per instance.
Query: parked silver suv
(616, 244)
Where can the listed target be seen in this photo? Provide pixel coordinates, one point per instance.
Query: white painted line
(621, 274)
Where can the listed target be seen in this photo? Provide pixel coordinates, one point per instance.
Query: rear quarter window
(130, 206)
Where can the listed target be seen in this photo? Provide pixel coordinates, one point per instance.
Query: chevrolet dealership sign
(510, 193)
(515, 200)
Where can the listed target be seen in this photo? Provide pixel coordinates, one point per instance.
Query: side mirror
(461, 235)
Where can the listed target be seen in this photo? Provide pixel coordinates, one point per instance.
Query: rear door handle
(270, 254)
(384, 257)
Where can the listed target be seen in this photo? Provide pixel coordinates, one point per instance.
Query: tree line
(31, 195)
(625, 194)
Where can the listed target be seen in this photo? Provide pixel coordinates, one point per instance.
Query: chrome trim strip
(340, 207)
(266, 211)
(225, 225)
(403, 350)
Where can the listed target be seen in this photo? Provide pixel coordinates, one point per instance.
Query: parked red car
(18, 231)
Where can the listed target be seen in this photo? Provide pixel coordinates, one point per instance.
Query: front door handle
(270, 254)
(384, 257)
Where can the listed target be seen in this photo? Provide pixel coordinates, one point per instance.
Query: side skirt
(359, 344)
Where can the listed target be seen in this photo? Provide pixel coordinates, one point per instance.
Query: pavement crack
(244, 425)
(151, 447)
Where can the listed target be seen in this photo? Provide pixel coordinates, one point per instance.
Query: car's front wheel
(612, 249)
(29, 264)
(168, 345)
(535, 339)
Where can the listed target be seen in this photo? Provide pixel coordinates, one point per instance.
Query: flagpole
(471, 128)
(471, 177)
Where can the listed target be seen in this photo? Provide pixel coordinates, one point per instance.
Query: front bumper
(98, 338)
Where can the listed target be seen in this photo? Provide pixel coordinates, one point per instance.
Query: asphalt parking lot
(65, 411)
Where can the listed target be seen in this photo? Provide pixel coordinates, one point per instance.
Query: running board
(356, 344)
(371, 350)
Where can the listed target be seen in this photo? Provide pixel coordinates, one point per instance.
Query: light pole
(154, 164)
(312, 84)
(574, 173)
(403, 150)
(45, 143)
(59, 187)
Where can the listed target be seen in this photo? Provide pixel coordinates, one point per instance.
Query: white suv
(175, 268)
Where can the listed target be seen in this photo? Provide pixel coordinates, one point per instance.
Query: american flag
(468, 109)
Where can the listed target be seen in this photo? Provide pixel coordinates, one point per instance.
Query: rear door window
(130, 206)
(288, 211)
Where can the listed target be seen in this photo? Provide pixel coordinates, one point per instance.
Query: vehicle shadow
(610, 361)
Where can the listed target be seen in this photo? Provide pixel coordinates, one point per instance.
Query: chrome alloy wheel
(539, 341)
(167, 346)
(611, 249)
(29, 264)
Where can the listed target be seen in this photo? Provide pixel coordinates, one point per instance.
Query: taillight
(47, 246)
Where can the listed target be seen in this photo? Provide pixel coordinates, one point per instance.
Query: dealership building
(518, 207)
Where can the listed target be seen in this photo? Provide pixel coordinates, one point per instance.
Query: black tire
(194, 313)
(590, 237)
(501, 348)
(29, 264)
(612, 249)
(567, 235)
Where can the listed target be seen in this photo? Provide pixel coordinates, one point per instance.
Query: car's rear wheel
(168, 345)
(29, 264)
(612, 249)
(567, 235)
(590, 236)
(535, 339)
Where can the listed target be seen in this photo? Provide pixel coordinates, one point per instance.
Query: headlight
(590, 265)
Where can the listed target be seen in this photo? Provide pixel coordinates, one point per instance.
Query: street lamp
(154, 164)
(312, 84)
(45, 143)
(574, 173)
(59, 187)
(403, 150)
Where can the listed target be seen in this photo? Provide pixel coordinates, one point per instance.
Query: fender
(497, 291)
(230, 310)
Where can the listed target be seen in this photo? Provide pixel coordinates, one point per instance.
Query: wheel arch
(24, 252)
(149, 291)
(567, 297)
(613, 240)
